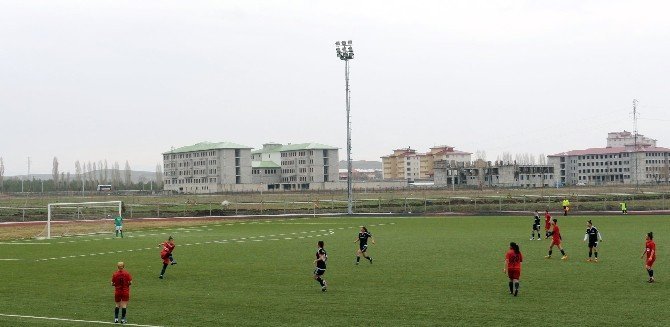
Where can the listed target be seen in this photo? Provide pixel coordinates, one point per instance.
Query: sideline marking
(73, 320)
(17, 243)
(10, 259)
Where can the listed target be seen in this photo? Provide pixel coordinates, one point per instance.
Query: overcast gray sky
(127, 80)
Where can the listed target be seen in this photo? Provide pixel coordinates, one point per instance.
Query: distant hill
(134, 175)
(361, 164)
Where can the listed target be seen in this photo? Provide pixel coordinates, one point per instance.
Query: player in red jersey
(556, 240)
(166, 254)
(121, 281)
(513, 259)
(650, 252)
(547, 223)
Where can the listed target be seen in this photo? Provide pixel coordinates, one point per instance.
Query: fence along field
(18, 208)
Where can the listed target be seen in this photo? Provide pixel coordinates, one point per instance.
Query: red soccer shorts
(556, 242)
(546, 226)
(121, 296)
(514, 273)
(650, 262)
(166, 257)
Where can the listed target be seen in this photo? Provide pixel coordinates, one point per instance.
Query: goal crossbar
(77, 205)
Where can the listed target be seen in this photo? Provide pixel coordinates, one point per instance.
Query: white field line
(240, 240)
(72, 320)
(16, 243)
(322, 232)
(10, 259)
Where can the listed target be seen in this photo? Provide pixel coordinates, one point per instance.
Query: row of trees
(522, 159)
(37, 185)
(87, 174)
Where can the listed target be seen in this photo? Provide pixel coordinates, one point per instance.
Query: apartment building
(294, 166)
(407, 164)
(627, 159)
(497, 174)
(206, 167)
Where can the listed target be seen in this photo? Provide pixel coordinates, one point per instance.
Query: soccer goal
(80, 218)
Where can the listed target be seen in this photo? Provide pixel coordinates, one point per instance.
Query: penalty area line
(71, 320)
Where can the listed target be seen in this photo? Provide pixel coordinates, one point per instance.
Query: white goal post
(79, 206)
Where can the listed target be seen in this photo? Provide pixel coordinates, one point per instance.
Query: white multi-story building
(294, 166)
(481, 173)
(207, 167)
(623, 161)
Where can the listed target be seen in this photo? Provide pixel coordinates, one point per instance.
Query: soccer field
(426, 271)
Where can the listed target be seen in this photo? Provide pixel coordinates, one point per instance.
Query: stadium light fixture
(345, 52)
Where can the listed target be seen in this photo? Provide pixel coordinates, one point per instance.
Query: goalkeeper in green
(118, 225)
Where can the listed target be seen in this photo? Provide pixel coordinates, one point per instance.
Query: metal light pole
(346, 52)
(637, 179)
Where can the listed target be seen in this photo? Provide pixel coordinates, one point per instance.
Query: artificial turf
(427, 271)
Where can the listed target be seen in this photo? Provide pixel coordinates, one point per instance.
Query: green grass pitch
(431, 271)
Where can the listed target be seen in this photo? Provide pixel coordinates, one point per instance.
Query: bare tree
(127, 180)
(101, 173)
(480, 155)
(94, 178)
(116, 175)
(159, 175)
(506, 158)
(84, 174)
(89, 172)
(2, 174)
(54, 172)
(541, 159)
(106, 176)
(77, 170)
(67, 181)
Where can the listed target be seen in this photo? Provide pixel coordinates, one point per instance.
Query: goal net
(65, 219)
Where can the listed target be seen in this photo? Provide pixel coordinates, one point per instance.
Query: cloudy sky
(127, 80)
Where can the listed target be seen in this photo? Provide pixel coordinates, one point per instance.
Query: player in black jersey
(321, 258)
(536, 227)
(592, 235)
(363, 236)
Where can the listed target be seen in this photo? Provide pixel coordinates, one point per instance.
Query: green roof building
(214, 167)
(294, 166)
(207, 167)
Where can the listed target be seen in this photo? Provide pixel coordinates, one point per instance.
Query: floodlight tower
(637, 179)
(346, 52)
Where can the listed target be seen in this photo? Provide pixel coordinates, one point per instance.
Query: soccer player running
(547, 223)
(513, 259)
(650, 252)
(592, 235)
(121, 281)
(321, 258)
(363, 236)
(536, 227)
(118, 225)
(166, 254)
(556, 240)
